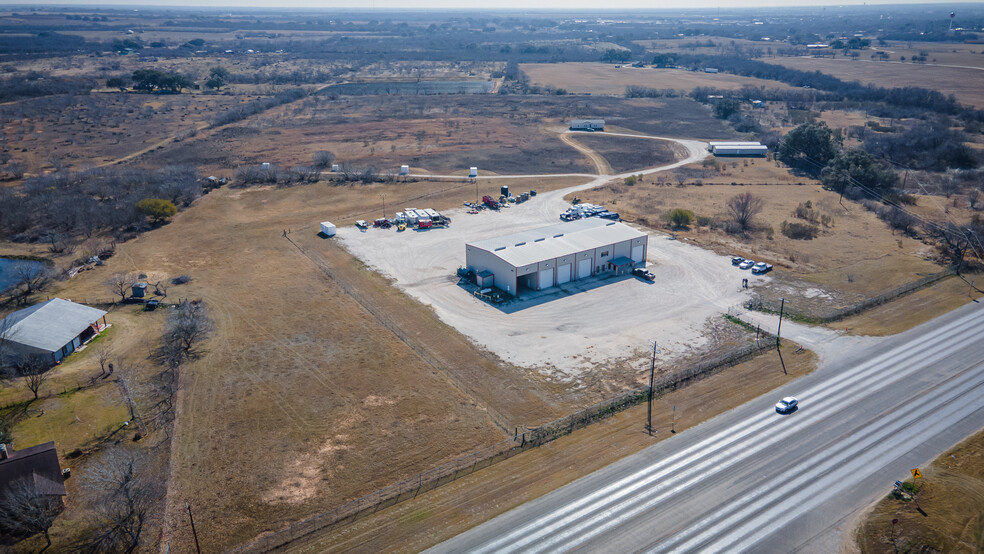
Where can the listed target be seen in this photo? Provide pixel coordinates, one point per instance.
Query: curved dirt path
(599, 161)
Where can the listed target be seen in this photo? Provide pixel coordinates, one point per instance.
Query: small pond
(10, 270)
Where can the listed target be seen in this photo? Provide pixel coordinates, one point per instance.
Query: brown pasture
(857, 255)
(601, 78)
(962, 82)
(322, 382)
(948, 512)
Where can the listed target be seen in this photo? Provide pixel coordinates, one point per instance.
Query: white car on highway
(787, 405)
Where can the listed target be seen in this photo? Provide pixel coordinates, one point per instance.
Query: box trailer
(748, 150)
(412, 216)
(473, 172)
(404, 170)
(401, 217)
(432, 214)
(327, 228)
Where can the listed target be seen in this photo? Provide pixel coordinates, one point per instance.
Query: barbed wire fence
(770, 306)
(487, 456)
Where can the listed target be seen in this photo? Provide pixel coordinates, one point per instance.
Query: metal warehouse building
(554, 255)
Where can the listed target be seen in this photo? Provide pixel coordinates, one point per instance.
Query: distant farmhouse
(587, 125)
(37, 465)
(53, 329)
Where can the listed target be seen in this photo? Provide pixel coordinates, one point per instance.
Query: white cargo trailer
(327, 228)
(473, 172)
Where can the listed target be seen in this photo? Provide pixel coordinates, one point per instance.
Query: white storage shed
(327, 228)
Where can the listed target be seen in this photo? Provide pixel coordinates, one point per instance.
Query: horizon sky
(538, 5)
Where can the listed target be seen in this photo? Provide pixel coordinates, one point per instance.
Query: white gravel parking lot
(572, 328)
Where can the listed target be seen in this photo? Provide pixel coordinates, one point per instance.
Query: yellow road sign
(916, 474)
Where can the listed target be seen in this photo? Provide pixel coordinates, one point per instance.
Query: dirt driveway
(572, 328)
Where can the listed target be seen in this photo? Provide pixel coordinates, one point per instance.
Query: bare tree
(33, 278)
(25, 511)
(128, 501)
(323, 159)
(160, 287)
(105, 354)
(954, 241)
(34, 371)
(743, 208)
(188, 324)
(120, 283)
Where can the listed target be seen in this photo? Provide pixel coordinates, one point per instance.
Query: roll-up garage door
(584, 268)
(546, 278)
(563, 274)
(637, 253)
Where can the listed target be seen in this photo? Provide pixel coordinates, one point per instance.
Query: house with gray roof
(550, 256)
(53, 329)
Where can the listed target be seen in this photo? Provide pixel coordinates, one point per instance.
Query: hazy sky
(485, 4)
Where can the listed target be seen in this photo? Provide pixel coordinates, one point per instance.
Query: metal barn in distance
(587, 125)
(549, 256)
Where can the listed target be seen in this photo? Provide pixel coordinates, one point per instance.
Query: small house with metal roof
(53, 329)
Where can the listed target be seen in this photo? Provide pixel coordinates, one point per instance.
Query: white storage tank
(327, 228)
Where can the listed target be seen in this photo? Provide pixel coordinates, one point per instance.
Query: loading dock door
(563, 274)
(546, 278)
(584, 268)
(637, 253)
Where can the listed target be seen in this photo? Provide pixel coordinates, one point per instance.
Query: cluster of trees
(924, 99)
(273, 175)
(61, 205)
(816, 150)
(31, 85)
(932, 146)
(152, 79)
(242, 111)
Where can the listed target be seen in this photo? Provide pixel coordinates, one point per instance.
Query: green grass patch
(417, 516)
(73, 420)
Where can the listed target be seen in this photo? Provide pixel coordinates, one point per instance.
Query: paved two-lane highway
(754, 480)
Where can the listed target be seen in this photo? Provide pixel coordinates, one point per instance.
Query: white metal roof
(547, 243)
(50, 325)
(718, 143)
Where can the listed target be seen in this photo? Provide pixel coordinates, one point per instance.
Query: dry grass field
(913, 309)
(857, 255)
(440, 514)
(626, 153)
(602, 78)
(951, 493)
(500, 134)
(321, 381)
(77, 132)
(963, 81)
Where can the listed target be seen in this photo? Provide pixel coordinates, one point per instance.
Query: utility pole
(652, 372)
(782, 305)
(198, 548)
(778, 329)
(383, 198)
